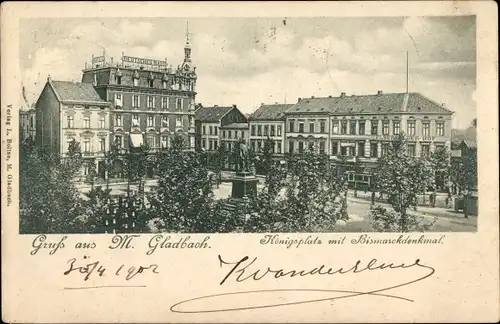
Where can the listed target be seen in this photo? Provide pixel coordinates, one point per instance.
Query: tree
(400, 177)
(463, 173)
(91, 172)
(440, 164)
(267, 156)
(48, 202)
(111, 159)
(183, 200)
(219, 161)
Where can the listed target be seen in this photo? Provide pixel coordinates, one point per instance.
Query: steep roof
(73, 91)
(469, 143)
(376, 103)
(211, 114)
(270, 112)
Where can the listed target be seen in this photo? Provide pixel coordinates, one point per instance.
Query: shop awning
(136, 140)
(347, 144)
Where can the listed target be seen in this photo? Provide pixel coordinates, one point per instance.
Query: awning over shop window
(136, 140)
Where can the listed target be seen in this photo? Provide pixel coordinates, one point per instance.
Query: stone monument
(244, 181)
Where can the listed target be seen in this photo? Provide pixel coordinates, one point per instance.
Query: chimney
(329, 96)
(299, 100)
(342, 94)
(49, 78)
(234, 106)
(215, 106)
(262, 104)
(275, 102)
(379, 92)
(443, 105)
(312, 97)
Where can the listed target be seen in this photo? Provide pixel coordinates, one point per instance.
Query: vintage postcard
(250, 162)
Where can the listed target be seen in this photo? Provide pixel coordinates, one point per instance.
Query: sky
(249, 61)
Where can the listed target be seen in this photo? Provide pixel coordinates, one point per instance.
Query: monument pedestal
(244, 185)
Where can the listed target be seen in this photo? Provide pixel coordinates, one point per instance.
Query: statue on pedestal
(243, 161)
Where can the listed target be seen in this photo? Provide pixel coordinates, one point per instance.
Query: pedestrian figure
(433, 199)
(373, 198)
(447, 200)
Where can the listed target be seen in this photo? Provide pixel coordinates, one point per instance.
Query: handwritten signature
(241, 272)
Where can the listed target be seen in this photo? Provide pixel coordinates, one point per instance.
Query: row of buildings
(135, 101)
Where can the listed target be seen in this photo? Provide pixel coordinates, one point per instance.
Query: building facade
(67, 111)
(150, 101)
(216, 125)
(27, 124)
(268, 121)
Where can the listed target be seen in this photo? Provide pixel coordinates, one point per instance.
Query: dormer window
(164, 84)
(150, 82)
(118, 79)
(136, 82)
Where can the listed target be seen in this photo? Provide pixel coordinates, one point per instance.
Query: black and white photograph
(248, 125)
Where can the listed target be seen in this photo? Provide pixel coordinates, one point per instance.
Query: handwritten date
(94, 269)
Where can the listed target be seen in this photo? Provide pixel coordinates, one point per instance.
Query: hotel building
(150, 101)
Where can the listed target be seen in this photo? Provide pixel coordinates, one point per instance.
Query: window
(439, 147)
(385, 127)
(322, 126)
(118, 120)
(258, 146)
(151, 121)
(253, 131)
(361, 127)
(374, 127)
(210, 130)
(311, 127)
(136, 82)
(135, 101)
(70, 121)
(204, 143)
(385, 149)
(178, 123)
(361, 148)
(425, 150)
(290, 146)
(151, 83)
(210, 145)
(301, 146)
(204, 130)
(164, 121)
(164, 84)
(118, 141)
(278, 130)
(86, 122)
(215, 144)
(223, 134)
(151, 101)
(266, 130)
(321, 147)
(118, 100)
(235, 134)
(301, 128)
(150, 141)
(411, 150)
(259, 131)
(343, 127)
(118, 79)
(396, 125)
(335, 127)
(273, 128)
(164, 103)
(439, 129)
(135, 120)
(278, 147)
(425, 129)
(335, 147)
(216, 130)
(411, 128)
(179, 104)
(373, 150)
(164, 141)
(352, 127)
(290, 126)
(102, 122)
(229, 133)
(86, 145)
(350, 151)
(102, 144)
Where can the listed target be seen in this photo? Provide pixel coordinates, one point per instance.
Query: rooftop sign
(143, 61)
